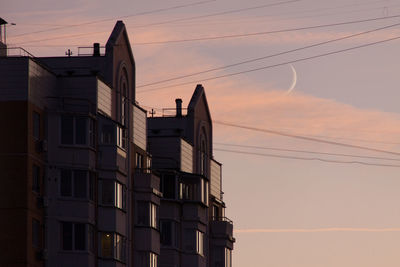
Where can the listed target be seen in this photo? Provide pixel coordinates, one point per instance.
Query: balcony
(222, 232)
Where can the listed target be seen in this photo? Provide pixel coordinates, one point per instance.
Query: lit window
(194, 241)
(153, 260)
(199, 242)
(139, 161)
(74, 236)
(121, 137)
(113, 194)
(113, 246)
(77, 183)
(194, 191)
(147, 214)
(228, 257)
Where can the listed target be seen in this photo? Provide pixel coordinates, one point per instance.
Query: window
(76, 236)
(113, 246)
(147, 214)
(77, 130)
(107, 134)
(36, 178)
(36, 125)
(169, 233)
(194, 191)
(228, 257)
(153, 260)
(153, 215)
(139, 161)
(199, 242)
(121, 137)
(113, 194)
(77, 183)
(35, 233)
(168, 183)
(194, 241)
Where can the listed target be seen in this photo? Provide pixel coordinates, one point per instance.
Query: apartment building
(194, 229)
(79, 183)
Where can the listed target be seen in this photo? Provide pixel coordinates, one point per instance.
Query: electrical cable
(306, 151)
(306, 138)
(121, 17)
(265, 32)
(275, 65)
(268, 56)
(309, 159)
(216, 14)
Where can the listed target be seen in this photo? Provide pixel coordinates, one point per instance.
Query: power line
(265, 32)
(275, 65)
(306, 151)
(121, 17)
(268, 56)
(305, 158)
(306, 138)
(216, 14)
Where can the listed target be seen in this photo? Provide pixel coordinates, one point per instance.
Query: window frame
(89, 130)
(86, 237)
(90, 180)
(118, 246)
(119, 192)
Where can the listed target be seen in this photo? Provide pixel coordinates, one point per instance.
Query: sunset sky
(311, 178)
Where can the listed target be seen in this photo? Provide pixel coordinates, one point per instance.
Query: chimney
(178, 102)
(96, 49)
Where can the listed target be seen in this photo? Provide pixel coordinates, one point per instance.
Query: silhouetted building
(78, 187)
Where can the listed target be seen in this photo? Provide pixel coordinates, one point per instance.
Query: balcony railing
(222, 219)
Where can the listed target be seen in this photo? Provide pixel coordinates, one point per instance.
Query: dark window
(75, 237)
(80, 184)
(36, 178)
(80, 236)
(108, 134)
(166, 233)
(36, 125)
(92, 177)
(75, 184)
(92, 133)
(81, 130)
(35, 233)
(66, 183)
(108, 192)
(66, 235)
(67, 129)
(168, 186)
(91, 238)
(143, 214)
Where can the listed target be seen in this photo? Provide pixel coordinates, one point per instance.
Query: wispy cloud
(315, 230)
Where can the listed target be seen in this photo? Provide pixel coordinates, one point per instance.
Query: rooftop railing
(14, 52)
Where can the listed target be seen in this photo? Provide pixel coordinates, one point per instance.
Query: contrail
(316, 230)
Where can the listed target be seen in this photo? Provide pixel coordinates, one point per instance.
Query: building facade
(85, 183)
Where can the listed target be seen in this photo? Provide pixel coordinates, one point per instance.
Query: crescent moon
(294, 80)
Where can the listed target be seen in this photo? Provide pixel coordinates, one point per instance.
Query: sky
(311, 176)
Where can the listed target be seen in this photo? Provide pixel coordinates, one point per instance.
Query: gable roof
(119, 32)
(198, 95)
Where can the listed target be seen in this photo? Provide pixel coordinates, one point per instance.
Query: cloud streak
(315, 230)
